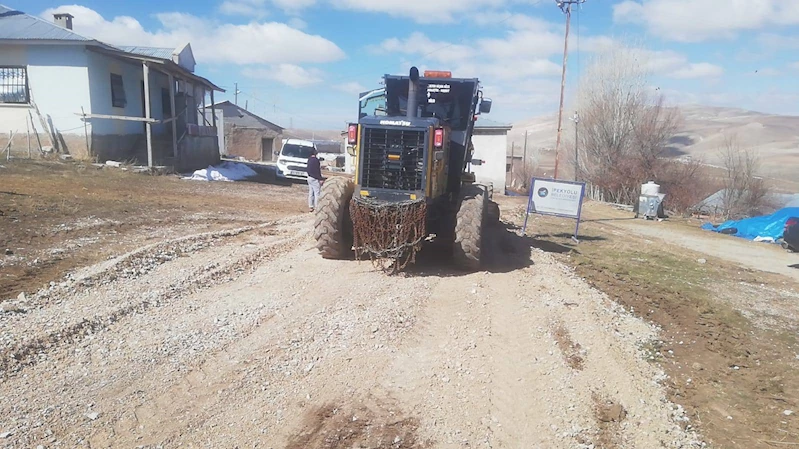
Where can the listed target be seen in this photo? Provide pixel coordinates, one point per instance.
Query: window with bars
(118, 99)
(14, 85)
(166, 103)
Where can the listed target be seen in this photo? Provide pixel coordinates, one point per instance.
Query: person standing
(315, 180)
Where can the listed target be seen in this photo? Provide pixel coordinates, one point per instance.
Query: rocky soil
(247, 338)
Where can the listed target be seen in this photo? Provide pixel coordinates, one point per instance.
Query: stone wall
(246, 142)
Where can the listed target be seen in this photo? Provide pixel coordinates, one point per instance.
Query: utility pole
(512, 161)
(576, 120)
(524, 161)
(566, 7)
(236, 94)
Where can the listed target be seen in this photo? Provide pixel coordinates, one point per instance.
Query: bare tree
(624, 127)
(744, 192)
(523, 172)
(687, 182)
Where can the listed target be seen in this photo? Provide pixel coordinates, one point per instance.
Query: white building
(490, 141)
(86, 98)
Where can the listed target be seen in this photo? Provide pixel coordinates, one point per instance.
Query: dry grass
(721, 361)
(57, 216)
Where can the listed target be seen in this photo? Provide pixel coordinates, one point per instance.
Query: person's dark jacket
(314, 168)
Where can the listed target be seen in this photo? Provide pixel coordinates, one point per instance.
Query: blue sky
(301, 63)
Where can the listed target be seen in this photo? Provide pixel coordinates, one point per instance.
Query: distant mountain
(701, 135)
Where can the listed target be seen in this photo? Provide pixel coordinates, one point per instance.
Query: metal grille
(13, 85)
(405, 171)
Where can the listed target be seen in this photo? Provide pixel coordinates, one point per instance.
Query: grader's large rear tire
(469, 228)
(333, 226)
(492, 212)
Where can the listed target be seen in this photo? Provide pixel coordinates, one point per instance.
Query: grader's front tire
(469, 228)
(333, 226)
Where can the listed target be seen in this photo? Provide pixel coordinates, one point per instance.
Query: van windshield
(293, 150)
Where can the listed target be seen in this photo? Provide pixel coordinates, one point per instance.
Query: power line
(291, 114)
(342, 77)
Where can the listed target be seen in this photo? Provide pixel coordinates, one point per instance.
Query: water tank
(650, 189)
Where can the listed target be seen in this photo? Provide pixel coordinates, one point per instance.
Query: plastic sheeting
(764, 228)
(226, 171)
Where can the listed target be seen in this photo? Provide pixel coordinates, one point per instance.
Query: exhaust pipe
(413, 88)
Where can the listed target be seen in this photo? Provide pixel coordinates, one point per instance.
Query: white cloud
(523, 67)
(660, 62)
(768, 71)
(251, 8)
(523, 52)
(794, 65)
(423, 11)
(288, 74)
(698, 70)
(213, 42)
(419, 44)
(351, 88)
(773, 43)
(293, 5)
(296, 22)
(696, 21)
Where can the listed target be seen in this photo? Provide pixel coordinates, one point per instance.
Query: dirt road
(247, 338)
(756, 256)
(753, 255)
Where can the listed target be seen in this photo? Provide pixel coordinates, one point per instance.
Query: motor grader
(412, 147)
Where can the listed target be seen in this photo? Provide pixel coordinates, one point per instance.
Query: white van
(293, 159)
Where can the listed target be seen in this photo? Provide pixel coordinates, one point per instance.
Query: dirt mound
(345, 427)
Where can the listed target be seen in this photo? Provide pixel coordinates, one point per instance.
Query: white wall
(349, 160)
(491, 147)
(59, 85)
(100, 69)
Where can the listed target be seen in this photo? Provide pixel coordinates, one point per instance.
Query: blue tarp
(766, 226)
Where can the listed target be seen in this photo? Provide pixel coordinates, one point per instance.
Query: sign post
(557, 198)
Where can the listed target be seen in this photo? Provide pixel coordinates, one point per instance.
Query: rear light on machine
(352, 134)
(438, 138)
(791, 222)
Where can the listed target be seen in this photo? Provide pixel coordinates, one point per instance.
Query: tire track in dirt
(333, 354)
(264, 377)
(120, 378)
(526, 373)
(442, 372)
(613, 370)
(32, 349)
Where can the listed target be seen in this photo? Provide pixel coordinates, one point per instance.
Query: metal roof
(154, 52)
(485, 123)
(165, 65)
(229, 106)
(16, 25)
